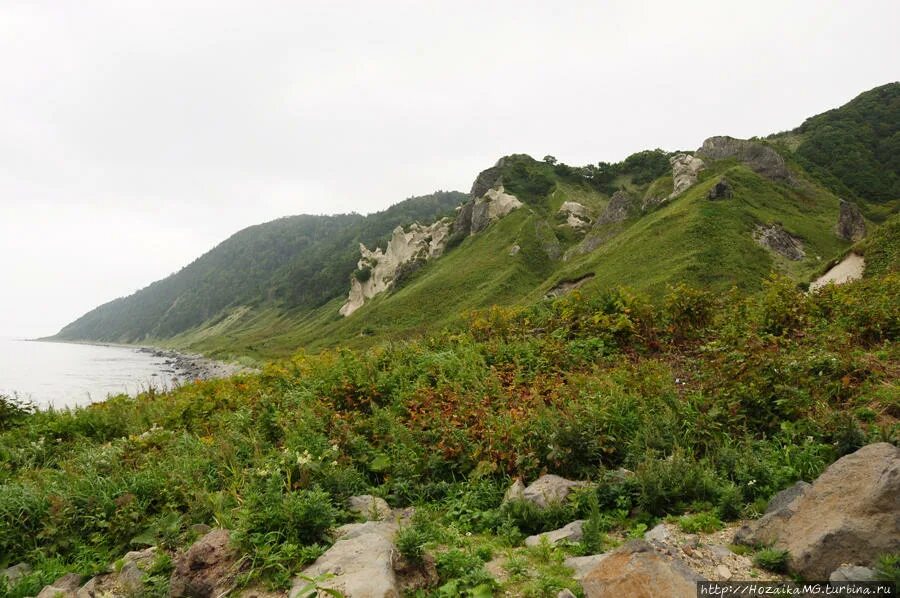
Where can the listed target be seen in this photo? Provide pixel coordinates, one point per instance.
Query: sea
(65, 375)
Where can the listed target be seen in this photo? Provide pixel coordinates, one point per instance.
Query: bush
(887, 568)
(771, 559)
(531, 519)
(701, 522)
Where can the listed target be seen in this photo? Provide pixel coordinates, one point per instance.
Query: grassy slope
(691, 240)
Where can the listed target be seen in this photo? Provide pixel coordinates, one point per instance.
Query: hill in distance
(723, 216)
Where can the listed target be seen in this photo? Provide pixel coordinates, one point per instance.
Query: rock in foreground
(637, 571)
(850, 514)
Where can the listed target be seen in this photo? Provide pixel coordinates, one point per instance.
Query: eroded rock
(685, 170)
(578, 217)
(780, 241)
(851, 513)
(637, 571)
(582, 565)
(492, 206)
(64, 587)
(379, 269)
(207, 569)
(851, 225)
(361, 563)
(757, 156)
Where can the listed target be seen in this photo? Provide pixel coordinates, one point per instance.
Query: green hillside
(273, 289)
(298, 262)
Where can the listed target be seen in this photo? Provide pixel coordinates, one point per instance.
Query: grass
(714, 402)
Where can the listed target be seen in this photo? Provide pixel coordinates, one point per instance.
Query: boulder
(851, 225)
(685, 170)
(208, 568)
(566, 593)
(851, 513)
(15, 573)
(775, 238)
(360, 563)
(550, 489)
(371, 507)
(783, 499)
(64, 587)
(621, 206)
(757, 156)
(637, 571)
(659, 535)
(515, 492)
(721, 190)
(846, 573)
(568, 533)
(582, 565)
(124, 579)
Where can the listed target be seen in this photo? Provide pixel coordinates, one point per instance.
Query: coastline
(186, 367)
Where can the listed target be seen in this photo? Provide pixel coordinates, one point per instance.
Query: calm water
(65, 375)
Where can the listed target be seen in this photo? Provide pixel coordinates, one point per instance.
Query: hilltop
(722, 216)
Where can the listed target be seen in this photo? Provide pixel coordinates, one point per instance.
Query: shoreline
(185, 367)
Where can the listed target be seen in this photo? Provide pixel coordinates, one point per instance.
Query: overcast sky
(134, 135)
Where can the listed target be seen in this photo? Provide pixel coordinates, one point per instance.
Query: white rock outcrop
(578, 217)
(380, 268)
(685, 170)
(492, 206)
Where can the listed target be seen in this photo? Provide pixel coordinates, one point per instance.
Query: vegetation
(856, 148)
(299, 262)
(715, 401)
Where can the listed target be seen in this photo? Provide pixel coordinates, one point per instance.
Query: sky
(136, 135)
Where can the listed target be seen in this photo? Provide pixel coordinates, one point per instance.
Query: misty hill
(298, 262)
(723, 216)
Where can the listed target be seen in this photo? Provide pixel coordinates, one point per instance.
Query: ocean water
(64, 375)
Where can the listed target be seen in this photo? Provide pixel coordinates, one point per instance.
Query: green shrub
(887, 568)
(532, 519)
(771, 559)
(701, 522)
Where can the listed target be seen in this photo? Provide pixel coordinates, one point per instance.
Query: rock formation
(851, 225)
(378, 270)
(777, 239)
(578, 217)
(361, 562)
(125, 578)
(849, 515)
(721, 190)
(758, 157)
(685, 170)
(621, 206)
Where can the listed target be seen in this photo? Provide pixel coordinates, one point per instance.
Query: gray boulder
(550, 489)
(775, 238)
(760, 158)
(360, 563)
(621, 207)
(582, 565)
(851, 225)
(568, 533)
(15, 573)
(636, 570)
(370, 507)
(516, 491)
(64, 587)
(851, 513)
(846, 573)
